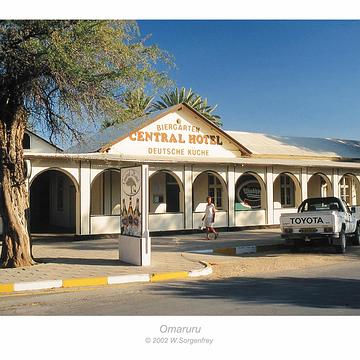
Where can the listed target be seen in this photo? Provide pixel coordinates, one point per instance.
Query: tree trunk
(14, 197)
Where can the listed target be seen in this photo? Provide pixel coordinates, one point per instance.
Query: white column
(335, 182)
(145, 240)
(231, 195)
(269, 195)
(188, 207)
(304, 180)
(84, 197)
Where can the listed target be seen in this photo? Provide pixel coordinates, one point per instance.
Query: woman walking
(209, 218)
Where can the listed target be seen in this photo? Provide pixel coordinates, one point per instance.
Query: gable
(36, 144)
(179, 133)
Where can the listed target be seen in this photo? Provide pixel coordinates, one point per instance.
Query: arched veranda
(319, 185)
(250, 200)
(166, 201)
(349, 189)
(286, 194)
(105, 207)
(210, 183)
(54, 202)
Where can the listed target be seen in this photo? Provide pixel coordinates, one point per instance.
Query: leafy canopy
(138, 104)
(63, 72)
(135, 104)
(182, 95)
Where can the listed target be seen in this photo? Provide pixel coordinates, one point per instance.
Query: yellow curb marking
(6, 288)
(168, 276)
(85, 282)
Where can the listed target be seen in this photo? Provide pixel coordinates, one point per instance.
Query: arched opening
(250, 200)
(105, 206)
(250, 192)
(349, 189)
(287, 191)
(105, 194)
(210, 183)
(53, 198)
(319, 185)
(166, 201)
(166, 193)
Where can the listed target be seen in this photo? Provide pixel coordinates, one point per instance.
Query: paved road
(328, 290)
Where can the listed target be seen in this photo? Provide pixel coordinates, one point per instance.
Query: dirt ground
(265, 263)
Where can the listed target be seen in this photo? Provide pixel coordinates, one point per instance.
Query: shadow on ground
(82, 261)
(303, 292)
(172, 243)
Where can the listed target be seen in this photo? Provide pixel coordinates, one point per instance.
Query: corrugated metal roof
(263, 144)
(94, 142)
(256, 143)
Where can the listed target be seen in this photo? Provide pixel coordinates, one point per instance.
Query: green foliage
(135, 104)
(179, 96)
(64, 72)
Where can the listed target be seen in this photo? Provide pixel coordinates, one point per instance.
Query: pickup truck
(322, 218)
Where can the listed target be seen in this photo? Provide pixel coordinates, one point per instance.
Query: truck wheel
(356, 239)
(340, 249)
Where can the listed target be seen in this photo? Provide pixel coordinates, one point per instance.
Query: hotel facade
(252, 177)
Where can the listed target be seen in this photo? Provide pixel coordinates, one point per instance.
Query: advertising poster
(131, 199)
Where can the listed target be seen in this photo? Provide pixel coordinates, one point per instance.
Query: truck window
(321, 204)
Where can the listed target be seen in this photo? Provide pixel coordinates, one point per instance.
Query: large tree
(60, 74)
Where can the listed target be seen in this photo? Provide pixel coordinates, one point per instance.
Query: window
(347, 189)
(247, 193)
(26, 141)
(215, 190)
(323, 188)
(287, 191)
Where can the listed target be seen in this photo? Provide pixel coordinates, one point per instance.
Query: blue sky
(297, 78)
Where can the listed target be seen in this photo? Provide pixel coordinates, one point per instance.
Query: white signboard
(177, 135)
(131, 201)
(134, 241)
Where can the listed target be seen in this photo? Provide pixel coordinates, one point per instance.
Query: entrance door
(172, 194)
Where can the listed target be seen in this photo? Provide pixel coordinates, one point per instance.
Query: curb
(109, 280)
(242, 249)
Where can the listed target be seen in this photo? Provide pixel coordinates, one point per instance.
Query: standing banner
(135, 243)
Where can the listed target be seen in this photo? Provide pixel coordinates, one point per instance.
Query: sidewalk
(95, 258)
(92, 258)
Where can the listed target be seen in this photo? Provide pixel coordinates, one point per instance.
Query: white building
(252, 177)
